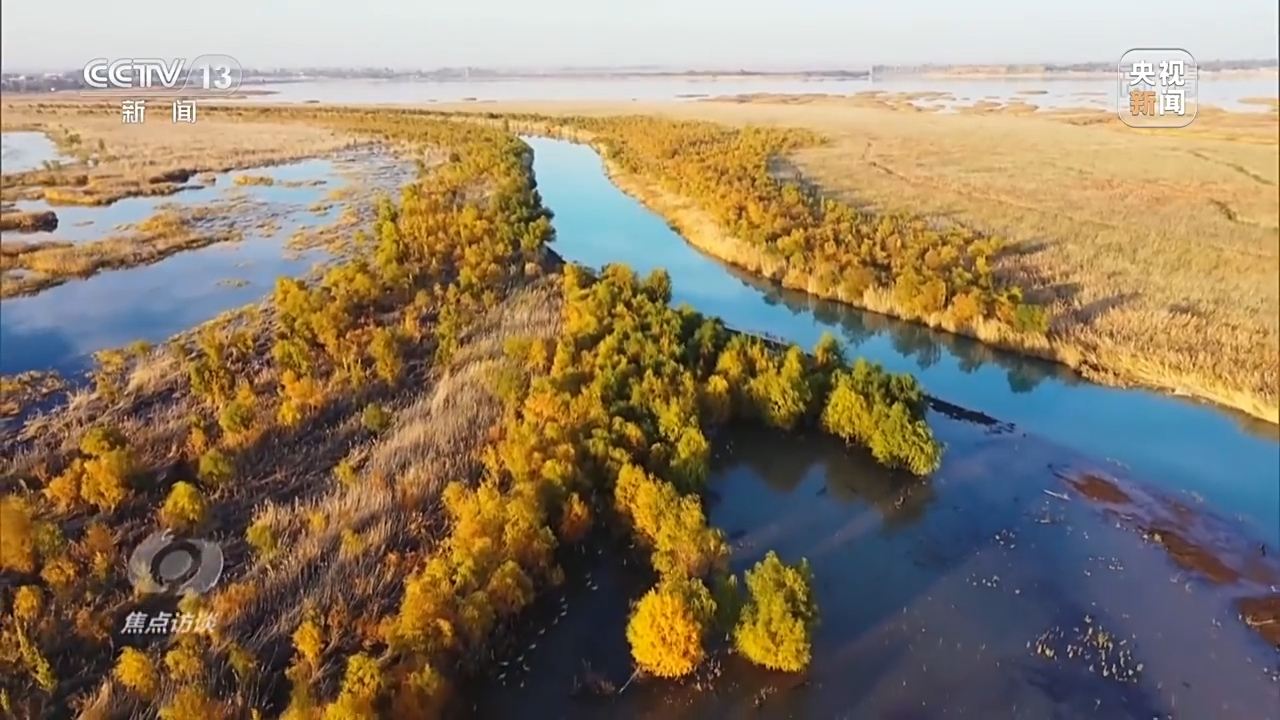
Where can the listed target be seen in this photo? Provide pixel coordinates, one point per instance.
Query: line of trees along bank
(604, 425)
(890, 262)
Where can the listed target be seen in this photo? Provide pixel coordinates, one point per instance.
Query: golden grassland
(107, 160)
(1155, 251)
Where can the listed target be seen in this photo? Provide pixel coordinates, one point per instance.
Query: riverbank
(1101, 329)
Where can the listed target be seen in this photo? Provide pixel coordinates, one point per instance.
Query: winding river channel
(1002, 586)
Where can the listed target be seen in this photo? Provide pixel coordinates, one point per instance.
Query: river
(935, 596)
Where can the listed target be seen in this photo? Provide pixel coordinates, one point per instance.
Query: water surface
(1183, 446)
(22, 151)
(1224, 92)
(936, 600)
(60, 327)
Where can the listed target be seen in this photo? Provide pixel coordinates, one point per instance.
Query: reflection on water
(934, 595)
(60, 327)
(22, 151)
(925, 346)
(1184, 446)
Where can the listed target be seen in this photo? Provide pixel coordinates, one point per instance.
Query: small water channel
(62, 326)
(942, 597)
(22, 151)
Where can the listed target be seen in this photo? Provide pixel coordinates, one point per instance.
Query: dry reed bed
(45, 264)
(1156, 251)
(107, 160)
(29, 267)
(393, 506)
(440, 419)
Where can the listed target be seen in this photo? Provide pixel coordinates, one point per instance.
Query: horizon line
(1265, 62)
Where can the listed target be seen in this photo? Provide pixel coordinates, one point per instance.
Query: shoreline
(703, 234)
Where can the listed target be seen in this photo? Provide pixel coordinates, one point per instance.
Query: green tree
(777, 621)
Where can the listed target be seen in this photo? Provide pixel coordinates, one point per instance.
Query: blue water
(22, 151)
(60, 327)
(1180, 445)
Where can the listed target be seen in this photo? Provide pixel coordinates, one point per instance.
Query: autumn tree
(667, 627)
(777, 621)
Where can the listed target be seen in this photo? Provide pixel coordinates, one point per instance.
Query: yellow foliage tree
(667, 626)
(575, 519)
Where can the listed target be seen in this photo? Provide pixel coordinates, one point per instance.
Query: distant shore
(73, 95)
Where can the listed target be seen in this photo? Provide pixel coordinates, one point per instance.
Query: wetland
(444, 382)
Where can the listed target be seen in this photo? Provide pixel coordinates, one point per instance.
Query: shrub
(215, 468)
(375, 418)
(17, 550)
(135, 671)
(261, 538)
(99, 440)
(236, 418)
(184, 508)
(777, 621)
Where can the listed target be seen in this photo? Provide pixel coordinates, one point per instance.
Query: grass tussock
(1181, 295)
(254, 180)
(28, 222)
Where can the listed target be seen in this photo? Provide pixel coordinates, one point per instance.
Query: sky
(64, 34)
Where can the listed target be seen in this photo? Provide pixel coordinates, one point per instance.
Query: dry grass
(261, 180)
(392, 505)
(108, 160)
(27, 389)
(1157, 250)
(343, 538)
(28, 222)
